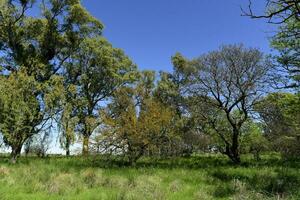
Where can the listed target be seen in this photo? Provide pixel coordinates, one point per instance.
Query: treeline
(57, 73)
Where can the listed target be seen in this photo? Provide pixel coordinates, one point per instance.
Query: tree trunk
(236, 158)
(232, 151)
(233, 155)
(67, 147)
(134, 155)
(15, 153)
(85, 146)
(68, 152)
(133, 159)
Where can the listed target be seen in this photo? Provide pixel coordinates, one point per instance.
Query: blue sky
(151, 31)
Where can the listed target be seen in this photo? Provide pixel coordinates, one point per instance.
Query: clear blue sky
(151, 31)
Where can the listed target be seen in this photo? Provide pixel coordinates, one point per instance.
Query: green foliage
(37, 47)
(280, 113)
(287, 42)
(286, 14)
(61, 49)
(172, 92)
(19, 107)
(225, 86)
(253, 140)
(135, 122)
(67, 127)
(95, 72)
(35, 43)
(20, 110)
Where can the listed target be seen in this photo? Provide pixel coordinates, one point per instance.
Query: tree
(35, 48)
(96, 70)
(280, 115)
(171, 88)
(20, 116)
(42, 44)
(287, 43)
(136, 122)
(171, 92)
(23, 115)
(38, 144)
(286, 13)
(225, 87)
(253, 139)
(67, 119)
(67, 126)
(277, 11)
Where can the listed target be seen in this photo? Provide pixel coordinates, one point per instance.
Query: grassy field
(200, 177)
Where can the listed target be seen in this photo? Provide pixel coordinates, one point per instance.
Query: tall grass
(198, 177)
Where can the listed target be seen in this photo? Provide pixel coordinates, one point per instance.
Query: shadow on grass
(273, 181)
(193, 162)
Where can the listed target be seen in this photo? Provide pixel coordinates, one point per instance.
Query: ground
(197, 177)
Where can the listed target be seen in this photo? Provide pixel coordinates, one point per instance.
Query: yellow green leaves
(53, 90)
(135, 121)
(78, 15)
(67, 126)
(19, 107)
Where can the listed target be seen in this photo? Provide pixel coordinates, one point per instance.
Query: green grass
(198, 177)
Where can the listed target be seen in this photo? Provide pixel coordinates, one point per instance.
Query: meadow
(197, 177)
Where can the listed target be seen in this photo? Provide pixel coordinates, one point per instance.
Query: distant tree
(225, 87)
(253, 139)
(1, 141)
(67, 126)
(96, 70)
(96, 142)
(171, 88)
(39, 144)
(197, 141)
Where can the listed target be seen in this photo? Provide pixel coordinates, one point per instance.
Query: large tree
(224, 87)
(41, 44)
(22, 114)
(20, 111)
(171, 91)
(37, 47)
(96, 70)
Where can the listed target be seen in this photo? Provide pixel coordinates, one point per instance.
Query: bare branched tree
(277, 11)
(286, 13)
(227, 84)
